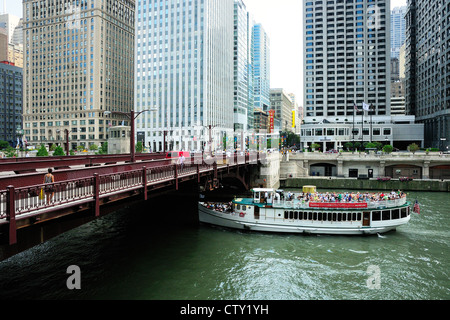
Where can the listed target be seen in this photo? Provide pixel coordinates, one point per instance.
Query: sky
(282, 21)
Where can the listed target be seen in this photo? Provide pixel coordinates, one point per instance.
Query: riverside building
(427, 89)
(347, 66)
(184, 70)
(78, 63)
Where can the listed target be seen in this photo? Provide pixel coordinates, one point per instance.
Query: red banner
(271, 120)
(338, 205)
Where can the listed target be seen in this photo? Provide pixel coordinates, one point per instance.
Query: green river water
(159, 251)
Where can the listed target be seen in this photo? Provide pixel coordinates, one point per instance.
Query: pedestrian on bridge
(49, 178)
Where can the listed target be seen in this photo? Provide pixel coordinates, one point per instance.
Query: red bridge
(86, 184)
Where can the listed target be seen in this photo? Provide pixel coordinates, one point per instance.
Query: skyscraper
(10, 102)
(78, 63)
(261, 67)
(184, 58)
(428, 68)
(398, 30)
(243, 111)
(347, 57)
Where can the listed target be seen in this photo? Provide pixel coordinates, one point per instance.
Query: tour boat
(271, 211)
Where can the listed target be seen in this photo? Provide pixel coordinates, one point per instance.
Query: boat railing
(299, 204)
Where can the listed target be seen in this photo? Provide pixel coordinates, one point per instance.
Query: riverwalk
(366, 184)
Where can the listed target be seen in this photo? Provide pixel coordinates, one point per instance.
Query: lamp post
(132, 115)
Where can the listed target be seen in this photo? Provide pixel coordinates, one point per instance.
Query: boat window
(300, 215)
(405, 212)
(291, 215)
(334, 216)
(309, 215)
(295, 215)
(319, 216)
(376, 215)
(243, 208)
(286, 214)
(395, 214)
(330, 216)
(386, 215)
(238, 207)
(339, 216)
(358, 216)
(315, 216)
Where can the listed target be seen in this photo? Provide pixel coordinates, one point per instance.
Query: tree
(93, 147)
(42, 152)
(4, 144)
(59, 151)
(413, 148)
(388, 148)
(292, 139)
(139, 147)
(348, 146)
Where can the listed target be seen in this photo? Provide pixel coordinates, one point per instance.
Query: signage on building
(271, 121)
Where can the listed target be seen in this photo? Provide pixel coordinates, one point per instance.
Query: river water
(159, 251)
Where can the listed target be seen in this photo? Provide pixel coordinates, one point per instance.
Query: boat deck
(298, 204)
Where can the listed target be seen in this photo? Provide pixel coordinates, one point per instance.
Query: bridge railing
(27, 200)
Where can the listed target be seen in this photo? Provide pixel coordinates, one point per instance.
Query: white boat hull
(248, 222)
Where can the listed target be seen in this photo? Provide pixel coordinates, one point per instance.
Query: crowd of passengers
(346, 196)
(220, 207)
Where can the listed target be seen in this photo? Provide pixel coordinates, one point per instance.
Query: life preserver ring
(242, 214)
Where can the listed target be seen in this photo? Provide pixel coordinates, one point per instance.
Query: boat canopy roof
(262, 190)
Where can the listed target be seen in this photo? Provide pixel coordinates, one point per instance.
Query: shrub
(59, 151)
(42, 152)
(388, 148)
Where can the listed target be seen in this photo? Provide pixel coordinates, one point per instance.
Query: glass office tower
(184, 70)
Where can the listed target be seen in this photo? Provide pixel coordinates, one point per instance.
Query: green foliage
(139, 147)
(348, 146)
(59, 151)
(10, 152)
(80, 148)
(72, 153)
(42, 152)
(315, 146)
(103, 149)
(291, 139)
(413, 147)
(93, 147)
(52, 147)
(388, 148)
(4, 144)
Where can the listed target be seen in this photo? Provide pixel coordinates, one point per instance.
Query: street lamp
(132, 115)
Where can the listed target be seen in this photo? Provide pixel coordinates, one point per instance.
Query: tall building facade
(427, 72)
(261, 67)
(281, 102)
(243, 105)
(398, 30)
(10, 102)
(78, 63)
(347, 57)
(184, 70)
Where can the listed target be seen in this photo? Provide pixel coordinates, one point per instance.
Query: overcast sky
(282, 20)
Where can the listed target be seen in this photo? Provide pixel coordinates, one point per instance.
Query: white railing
(298, 204)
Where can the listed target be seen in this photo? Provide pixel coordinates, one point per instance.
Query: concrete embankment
(371, 184)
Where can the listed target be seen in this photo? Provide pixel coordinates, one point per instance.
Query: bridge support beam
(96, 195)
(144, 182)
(11, 215)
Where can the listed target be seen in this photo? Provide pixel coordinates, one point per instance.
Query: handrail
(26, 199)
(297, 204)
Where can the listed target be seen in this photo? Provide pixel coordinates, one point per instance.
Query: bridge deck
(23, 202)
